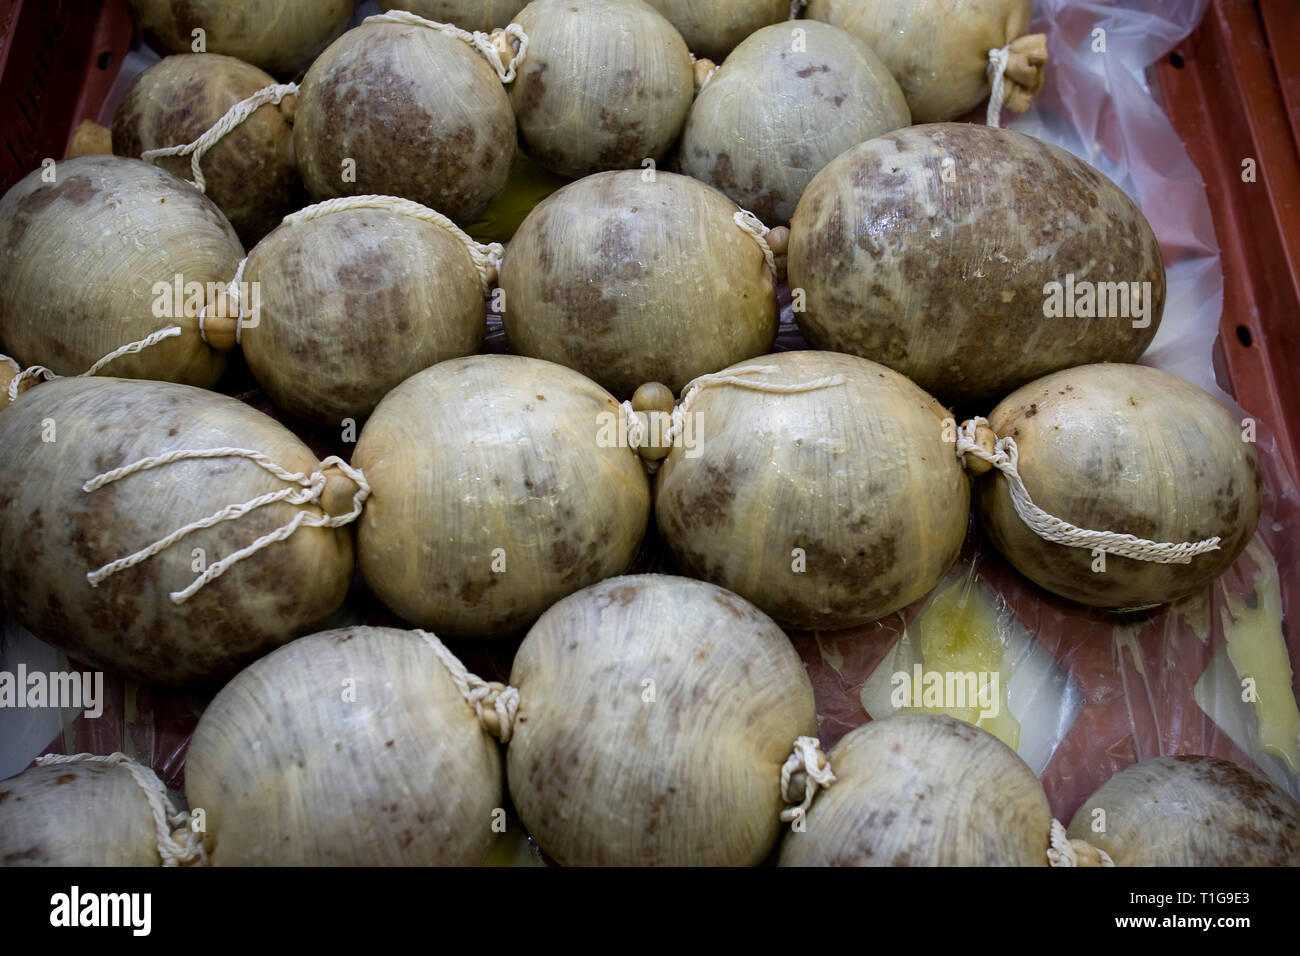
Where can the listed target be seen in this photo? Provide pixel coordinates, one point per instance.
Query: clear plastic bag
(1144, 685)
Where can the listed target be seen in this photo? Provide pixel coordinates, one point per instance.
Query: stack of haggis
(167, 532)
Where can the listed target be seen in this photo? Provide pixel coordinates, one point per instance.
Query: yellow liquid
(512, 849)
(1258, 651)
(957, 631)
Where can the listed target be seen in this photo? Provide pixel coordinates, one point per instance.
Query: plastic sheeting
(1130, 687)
(1089, 692)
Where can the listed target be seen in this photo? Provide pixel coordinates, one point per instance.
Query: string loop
(1005, 458)
(485, 256)
(168, 822)
(804, 772)
(305, 490)
(232, 118)
(37, 372)
(484, 43)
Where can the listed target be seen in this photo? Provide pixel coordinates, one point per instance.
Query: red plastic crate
(58, 61)
(1232, 91)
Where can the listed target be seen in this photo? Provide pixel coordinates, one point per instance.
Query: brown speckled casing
(492, 497)
(55, 532)
(655, 714)
(632, 281)
(714, 28)
(421, 113)
(352, 304)
(1129, 449)
(928, 250)
(80, 814)
(84, 255)
(250, 173)
(606, 84)
(279, 36)
(858, 476)
(1191, 811)
(924, 790)
(772, 117)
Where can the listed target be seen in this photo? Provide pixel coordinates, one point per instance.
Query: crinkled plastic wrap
(1120, 688)
(1082, 694)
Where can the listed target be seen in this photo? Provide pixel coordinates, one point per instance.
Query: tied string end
(495, 704)
(751, 224)
(1016, 75)
(997, 70)
(1064, 852)
(230, 310)
(804, 772)
(177, 842)
(301, 490)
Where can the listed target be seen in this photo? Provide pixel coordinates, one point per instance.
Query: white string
(40, 371)
(754, 226)
(485, 256)
(232, 118)
(233, 294)
(1005, 457)
(308, 492)
(478, 40)
(166, 818)
(997, 69)
(736, 378)
(806, 758)
(638, 435)
(636, 430)
(707, 77)
(31, 372)
(1062, 852)
(503, 699)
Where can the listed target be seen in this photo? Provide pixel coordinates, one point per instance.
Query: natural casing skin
(857, 476)
(655, 714)
(83, 255)
(482, 15)
(1191, 811)
(606, 84)
(630, 280)
(350, 747)
(250, 173)
(279, 36)
(924, 790)
(420, 113)
(55, 532)
(80, 814)
(945, 281)
(353, 303)
(715, 28)
(492, 497)
(938, 50)
(773, 115)
(1129, 449)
